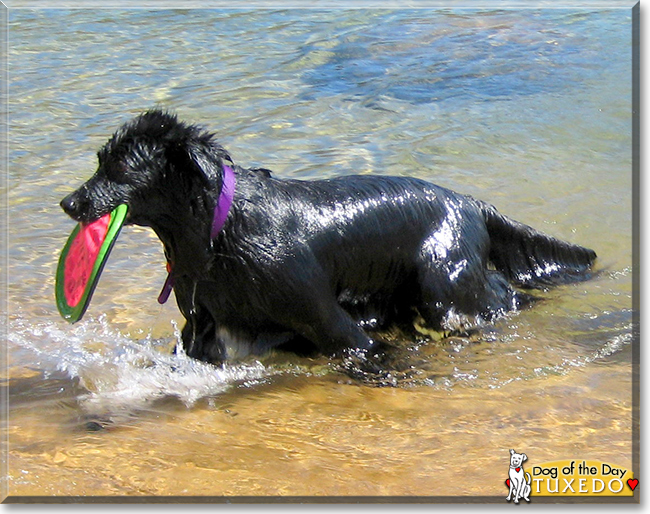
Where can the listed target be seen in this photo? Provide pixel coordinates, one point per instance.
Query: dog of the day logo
(576, 477)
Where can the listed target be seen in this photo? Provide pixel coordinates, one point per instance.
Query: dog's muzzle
(78, 207)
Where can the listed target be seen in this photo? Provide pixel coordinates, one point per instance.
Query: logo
(518, 480)
(575, 477)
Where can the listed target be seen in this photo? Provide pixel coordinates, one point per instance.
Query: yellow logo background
(578, 477)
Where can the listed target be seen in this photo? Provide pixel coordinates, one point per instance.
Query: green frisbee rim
(74, 313)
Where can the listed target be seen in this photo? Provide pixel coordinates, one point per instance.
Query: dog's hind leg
(337, 333)
(457, 290)
(332, 329)
(526, 487)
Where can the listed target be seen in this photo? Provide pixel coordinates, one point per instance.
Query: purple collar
(218, 220)
(225, 201)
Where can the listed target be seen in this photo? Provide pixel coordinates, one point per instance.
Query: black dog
(257, 262)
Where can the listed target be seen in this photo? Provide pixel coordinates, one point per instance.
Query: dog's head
(155, 165)
(516, 459)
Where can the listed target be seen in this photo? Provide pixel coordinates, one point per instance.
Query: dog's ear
(512, 452)
(200, 160)
(191, 162)
(524, 457)
(205, 162)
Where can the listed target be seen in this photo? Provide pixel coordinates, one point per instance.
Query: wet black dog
(313, 263)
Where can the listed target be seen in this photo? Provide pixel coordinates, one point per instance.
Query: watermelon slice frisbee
(82, 260)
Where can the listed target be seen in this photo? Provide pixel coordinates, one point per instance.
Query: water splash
(119, 372)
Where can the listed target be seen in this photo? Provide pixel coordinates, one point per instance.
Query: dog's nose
(70, 205)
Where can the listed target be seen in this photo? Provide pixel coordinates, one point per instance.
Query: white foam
(118, 371)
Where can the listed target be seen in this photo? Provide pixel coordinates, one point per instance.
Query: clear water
(527, 109)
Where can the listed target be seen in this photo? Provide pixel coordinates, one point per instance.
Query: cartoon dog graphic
(519, 485)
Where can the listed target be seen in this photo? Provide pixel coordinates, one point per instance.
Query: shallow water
(528, 110)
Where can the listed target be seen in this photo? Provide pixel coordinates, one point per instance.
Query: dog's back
(386, 244)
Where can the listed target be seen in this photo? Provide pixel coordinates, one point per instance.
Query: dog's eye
(116, 171)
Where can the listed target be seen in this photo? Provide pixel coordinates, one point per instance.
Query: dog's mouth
(128, 220)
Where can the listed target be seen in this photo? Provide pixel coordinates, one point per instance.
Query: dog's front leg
(518, 491)
(509, 497)
(199, 338)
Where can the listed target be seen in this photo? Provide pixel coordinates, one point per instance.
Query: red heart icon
(517, 470)
(508, 482)
(632, 483)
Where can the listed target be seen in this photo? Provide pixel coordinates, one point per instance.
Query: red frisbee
(82, 261)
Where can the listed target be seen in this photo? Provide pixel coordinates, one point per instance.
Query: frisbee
(82, 261)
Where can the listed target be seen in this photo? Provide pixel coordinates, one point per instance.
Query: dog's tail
(531, 259)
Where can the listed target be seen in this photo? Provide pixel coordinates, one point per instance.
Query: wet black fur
(314, 263)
